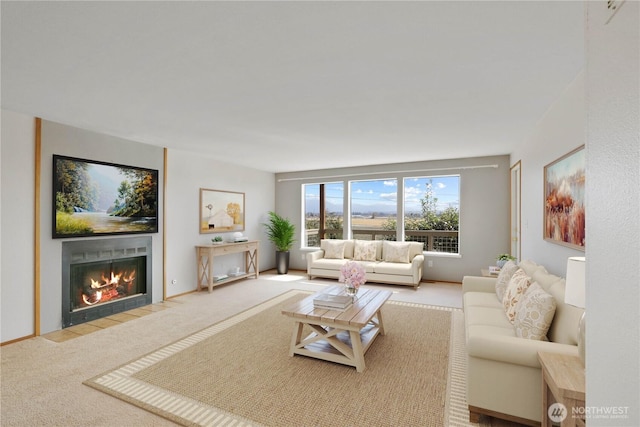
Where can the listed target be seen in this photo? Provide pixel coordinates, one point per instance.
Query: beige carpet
(239, 371)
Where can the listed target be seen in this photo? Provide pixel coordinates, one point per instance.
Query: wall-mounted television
(93, 198)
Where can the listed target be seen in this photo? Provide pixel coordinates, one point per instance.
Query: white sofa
(504, 379)
(398, 263)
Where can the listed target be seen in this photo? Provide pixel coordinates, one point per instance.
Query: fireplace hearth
(101, 277)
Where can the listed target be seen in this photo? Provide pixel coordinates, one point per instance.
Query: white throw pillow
(503, 278)
(365, 250)
(396, 252)
(517, 286)
(534, 313)
(334, 250)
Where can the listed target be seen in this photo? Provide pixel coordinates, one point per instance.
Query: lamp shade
(574, 291)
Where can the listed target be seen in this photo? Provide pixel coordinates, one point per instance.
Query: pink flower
(353, 274)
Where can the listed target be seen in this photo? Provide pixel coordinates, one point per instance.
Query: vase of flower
(502, 259)
(351, 290)
(353, 276)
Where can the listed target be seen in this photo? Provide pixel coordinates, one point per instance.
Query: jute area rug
(238, 372)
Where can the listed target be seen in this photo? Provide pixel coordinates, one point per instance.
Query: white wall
(186, 174)
(613, 207)
(561, 130)
(484, 208)
(16, 263)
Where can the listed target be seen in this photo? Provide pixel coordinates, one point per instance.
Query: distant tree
(312, 223)
(124, 198)
(76, 188)
(137, 195)
(449, 219)
(431, 219)
(332, 221)
(429, 204)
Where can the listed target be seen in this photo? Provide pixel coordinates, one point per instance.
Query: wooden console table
(206, 254)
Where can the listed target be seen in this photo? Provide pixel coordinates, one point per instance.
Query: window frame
(400, 232)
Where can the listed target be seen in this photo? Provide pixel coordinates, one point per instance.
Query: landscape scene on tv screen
(93, 198)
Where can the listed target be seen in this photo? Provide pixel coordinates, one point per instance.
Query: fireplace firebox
(101, 277)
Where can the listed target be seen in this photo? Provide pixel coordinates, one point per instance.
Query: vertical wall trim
(164, 225)
(516, 228)
(36, 227)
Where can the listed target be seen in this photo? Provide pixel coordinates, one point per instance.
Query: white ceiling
(287, 86)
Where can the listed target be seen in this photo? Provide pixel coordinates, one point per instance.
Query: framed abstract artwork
(221, 211)
(564, 200)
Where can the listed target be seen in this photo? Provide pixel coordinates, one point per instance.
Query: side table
(563, 382)
(485, 273)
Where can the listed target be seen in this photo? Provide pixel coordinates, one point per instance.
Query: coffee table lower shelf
(344, 346)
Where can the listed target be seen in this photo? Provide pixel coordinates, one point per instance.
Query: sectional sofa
(504, 336)
(398, 263)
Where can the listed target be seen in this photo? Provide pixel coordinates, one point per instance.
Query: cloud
(413, 191)
(360, 191)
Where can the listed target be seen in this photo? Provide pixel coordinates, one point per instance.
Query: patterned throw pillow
(396, 252)
(365, 251)
(503, 278)
(517, 286)
(334, 250)
(534, 313)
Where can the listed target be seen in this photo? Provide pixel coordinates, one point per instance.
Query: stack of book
(332, 302)
(220, 277)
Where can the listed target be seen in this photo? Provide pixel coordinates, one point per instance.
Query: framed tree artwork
(221, 211)
(94, 198)
(564, 200)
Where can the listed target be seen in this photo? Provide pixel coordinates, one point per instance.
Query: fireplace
(101, 277)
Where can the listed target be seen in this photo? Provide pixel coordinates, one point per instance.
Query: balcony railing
(432, 240)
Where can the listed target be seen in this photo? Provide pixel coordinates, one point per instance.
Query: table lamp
(574, 294)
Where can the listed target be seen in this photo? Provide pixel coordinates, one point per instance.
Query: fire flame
(107, 287)
(85, 298)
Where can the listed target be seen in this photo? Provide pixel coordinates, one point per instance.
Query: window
(432, 212)
(323, 208)
(374, 207)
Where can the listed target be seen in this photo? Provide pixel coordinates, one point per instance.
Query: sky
(381, 195)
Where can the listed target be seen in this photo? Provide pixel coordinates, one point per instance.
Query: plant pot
(501, 262)
(282, 262)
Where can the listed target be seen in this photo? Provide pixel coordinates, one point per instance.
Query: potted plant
(502, 259)
(281, 233)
